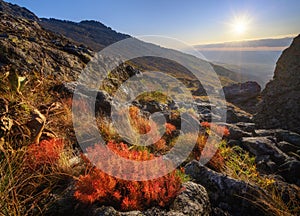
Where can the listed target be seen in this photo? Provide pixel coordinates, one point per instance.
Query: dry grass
(240, 165)
(24, 191)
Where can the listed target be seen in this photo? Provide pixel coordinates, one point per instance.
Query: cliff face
(280, 106)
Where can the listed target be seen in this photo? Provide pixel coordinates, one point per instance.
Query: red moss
(170, 128)
(220, 130)
(47, 152)
(123, 194)
(160, 145)
(139, 122)
(216, 160)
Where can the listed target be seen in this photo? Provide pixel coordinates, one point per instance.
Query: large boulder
(242, 92)
(235, 115)
(102, 99)
(244, 95)
(227, 194)
(264, 147)
(192, 201)
(286, 141)
(280, 106)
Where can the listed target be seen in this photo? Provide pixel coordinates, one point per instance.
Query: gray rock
(280, 134)
(290, 171)
(288, 136)
(288, 148)
(241, 92)
(244, 95)
(262, 146)
(75, 50)
(232, 196)
(246, 126)
(234, 115)
(264, 133)
(103, 99)
(235, 132)
(192, 201)
(232, 143)
(154, 106)
(280, 105)
(265, 165)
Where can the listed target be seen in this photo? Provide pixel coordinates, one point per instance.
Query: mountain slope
(97, 36)
(17, 11)
(91, 33)
(32, 49)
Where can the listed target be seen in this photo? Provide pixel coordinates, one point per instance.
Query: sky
(192, 21)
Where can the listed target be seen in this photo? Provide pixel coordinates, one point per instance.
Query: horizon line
(261, 48)
(292, 35)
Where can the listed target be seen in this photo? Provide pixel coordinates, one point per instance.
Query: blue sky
(194, 22)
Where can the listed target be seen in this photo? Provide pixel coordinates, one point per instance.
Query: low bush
(47, 152)
(97, 186)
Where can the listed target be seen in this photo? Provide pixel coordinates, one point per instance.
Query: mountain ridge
(95, 35)
(17, 11)
(84, 32)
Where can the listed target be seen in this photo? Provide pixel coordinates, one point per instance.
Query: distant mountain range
(268, 44)
(255, 58)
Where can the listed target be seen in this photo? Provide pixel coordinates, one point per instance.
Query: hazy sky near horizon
(194, 22)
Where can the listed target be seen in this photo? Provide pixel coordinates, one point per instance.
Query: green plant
(153, 96)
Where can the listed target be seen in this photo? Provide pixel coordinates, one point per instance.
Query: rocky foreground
(276, 152)
(38, 69)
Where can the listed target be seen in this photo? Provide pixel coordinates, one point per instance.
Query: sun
(240, 27)
(240, 24)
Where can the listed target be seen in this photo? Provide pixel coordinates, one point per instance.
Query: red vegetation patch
(220, 130)
(217, 161)
(123, 194)
(47, 152)
(139, 122)
(160, 145)
(170, 128)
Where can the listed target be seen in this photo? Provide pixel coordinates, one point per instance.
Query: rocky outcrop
(242, 92)
(280, 106)
(192, 201)
(25, 45)
(225, 193)
(235, 115)
(244, 95)
(102, 99)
